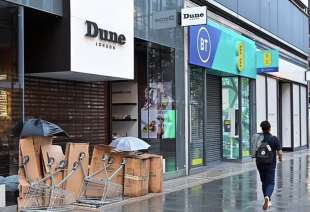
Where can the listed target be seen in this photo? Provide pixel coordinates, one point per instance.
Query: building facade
(139, 74)
(226, 108)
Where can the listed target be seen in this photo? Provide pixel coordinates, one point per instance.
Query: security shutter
(213, 131)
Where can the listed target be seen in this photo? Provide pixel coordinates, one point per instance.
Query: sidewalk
(215, 172)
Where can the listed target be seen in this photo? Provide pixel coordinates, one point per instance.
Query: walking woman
(266, 147)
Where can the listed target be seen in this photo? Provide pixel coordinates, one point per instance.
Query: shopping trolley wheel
(82, 156)
(62, 164)
(51, 161)
(105, 157)
(26, 159)
(123, 162)
(110, 161)
(75, 165)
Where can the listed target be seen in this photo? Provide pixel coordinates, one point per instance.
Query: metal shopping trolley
(46, 194)
(105, 190)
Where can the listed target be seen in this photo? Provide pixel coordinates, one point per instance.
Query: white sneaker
(267, 203)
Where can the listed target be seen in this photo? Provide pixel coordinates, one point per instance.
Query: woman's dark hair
(265, 125)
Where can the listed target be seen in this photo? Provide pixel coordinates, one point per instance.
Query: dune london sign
(107, 39)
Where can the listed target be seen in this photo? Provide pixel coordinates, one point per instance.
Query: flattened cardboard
(76, 182)
(52, 151)
(33, 167)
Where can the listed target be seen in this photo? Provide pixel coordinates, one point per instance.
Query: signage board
(267, 61)
(102, 43)
(241, 57)
(164, 19)
(221, 50)
(194, 16)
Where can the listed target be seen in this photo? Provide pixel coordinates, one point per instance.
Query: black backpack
(264, 153)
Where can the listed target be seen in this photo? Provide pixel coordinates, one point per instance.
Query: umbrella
(39, 127)
(129, 144)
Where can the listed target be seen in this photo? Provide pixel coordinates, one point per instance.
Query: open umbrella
(39, 127)
(129, 144)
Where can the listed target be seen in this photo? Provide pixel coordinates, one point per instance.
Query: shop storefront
(223, 72)
(158, 101)
(282, 99)
(94, 76)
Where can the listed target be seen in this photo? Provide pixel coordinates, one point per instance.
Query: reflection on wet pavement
(237, 193)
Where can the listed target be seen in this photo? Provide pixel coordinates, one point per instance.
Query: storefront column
(21, 56)
(187, 117)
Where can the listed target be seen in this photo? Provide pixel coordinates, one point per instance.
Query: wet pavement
(240, 192)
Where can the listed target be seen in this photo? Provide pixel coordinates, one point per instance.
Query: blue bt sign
(203, 43)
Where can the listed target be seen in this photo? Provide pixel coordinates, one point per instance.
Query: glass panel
(197, 117)
(50, 6)
(152, 24)
(157, 103)
(230, 118)
(245, 117)
(10, 100)
(166, 36)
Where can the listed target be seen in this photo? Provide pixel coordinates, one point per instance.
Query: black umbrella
(39, 127)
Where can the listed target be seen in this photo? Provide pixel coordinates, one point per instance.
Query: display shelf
(124, 96)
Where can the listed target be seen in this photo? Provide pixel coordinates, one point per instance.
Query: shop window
(230, 104)
(245, 117)
(157, 105)
(197, 117)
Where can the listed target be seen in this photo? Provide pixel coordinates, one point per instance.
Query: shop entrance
(220, 111)
(236, 117)
(150, 107)
(293, 118)
(205, 112)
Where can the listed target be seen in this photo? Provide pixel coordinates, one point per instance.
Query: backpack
(264, 153)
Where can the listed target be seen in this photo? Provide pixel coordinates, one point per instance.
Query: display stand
(124, 109)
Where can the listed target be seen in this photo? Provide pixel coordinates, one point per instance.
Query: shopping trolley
(45, 194)
(108, 190)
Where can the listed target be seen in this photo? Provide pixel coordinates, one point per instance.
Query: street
(236, 193)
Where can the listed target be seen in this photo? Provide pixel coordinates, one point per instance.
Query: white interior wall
(272, 89)
(260, 100)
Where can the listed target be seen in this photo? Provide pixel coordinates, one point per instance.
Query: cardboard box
(156, 174)
(156, 171)
(136, 182)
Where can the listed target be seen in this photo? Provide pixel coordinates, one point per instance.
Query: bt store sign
(203, 43)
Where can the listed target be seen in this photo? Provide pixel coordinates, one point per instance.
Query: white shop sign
(194, 16)
(102, 38)
(291, 71)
